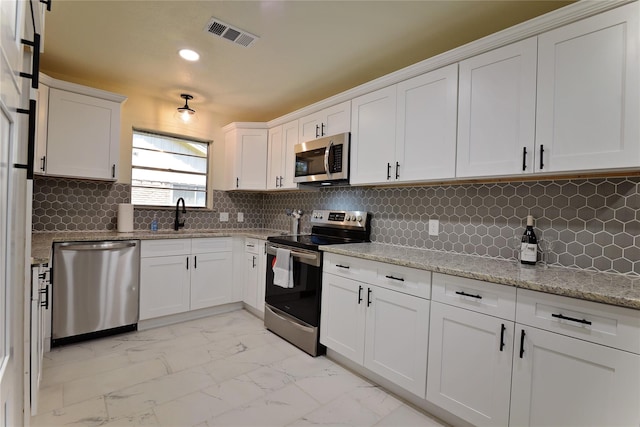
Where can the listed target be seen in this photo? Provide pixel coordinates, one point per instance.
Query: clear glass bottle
(154, 223)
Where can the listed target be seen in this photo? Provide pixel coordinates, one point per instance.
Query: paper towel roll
(125, 218)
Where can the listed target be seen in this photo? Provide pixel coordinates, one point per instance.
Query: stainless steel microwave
(323, 161)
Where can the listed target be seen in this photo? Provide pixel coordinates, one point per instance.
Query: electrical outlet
(434, 227)
(224, 216)
(240, 217)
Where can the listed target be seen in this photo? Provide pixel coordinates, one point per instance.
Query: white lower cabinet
(561, 376)
(254, 273)
(563, 381)
(497, 355)
(178, 275)
(211, 280)
(382, 329)
(470, 364)
(164, 286)
(470, 348)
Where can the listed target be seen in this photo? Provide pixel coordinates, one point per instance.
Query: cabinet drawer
(350, 267)
(605, 324)
(407, 280)
(211, 244)
(253, 246)
(165, 247)
(483, 297)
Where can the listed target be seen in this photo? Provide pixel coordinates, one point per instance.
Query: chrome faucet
(177, 223)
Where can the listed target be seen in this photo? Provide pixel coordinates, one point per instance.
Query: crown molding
(80, 89)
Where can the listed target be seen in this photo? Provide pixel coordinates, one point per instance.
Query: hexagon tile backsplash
(594, 222)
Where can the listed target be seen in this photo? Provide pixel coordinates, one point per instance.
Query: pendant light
(185, 113)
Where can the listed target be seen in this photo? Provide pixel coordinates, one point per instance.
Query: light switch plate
(434, 227)
(240, 217)
(224, 216)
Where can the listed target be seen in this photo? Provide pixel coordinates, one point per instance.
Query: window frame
(208, 175)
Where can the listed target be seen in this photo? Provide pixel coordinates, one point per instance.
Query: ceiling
(307, 51)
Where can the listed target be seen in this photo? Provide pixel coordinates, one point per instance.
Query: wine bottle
(529, 245)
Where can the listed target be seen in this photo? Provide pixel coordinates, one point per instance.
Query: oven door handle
(272, 251)
(327, 151)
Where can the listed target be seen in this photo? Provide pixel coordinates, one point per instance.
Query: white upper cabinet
(274, 158)
(281, 156)
(587, 111)
(245, 157)
(330, 121)
(426, 126)
(83, 136)
(373, 135)
(406, 132)
(496, 113)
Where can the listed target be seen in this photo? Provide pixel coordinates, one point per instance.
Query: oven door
(302, 301)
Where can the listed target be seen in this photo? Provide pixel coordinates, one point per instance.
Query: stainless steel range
(292, 308)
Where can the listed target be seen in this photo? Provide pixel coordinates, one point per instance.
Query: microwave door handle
(327, 151)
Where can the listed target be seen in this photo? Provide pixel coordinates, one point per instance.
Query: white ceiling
(308, 50)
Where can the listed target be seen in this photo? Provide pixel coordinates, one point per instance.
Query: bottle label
(528, 252)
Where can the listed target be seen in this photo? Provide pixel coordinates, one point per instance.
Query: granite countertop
(608, 288)
(41, 241)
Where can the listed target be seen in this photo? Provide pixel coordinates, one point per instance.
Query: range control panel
(346, 219)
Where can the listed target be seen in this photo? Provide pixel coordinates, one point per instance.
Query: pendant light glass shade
(185, 113)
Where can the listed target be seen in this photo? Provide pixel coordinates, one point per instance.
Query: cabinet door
(40, 160)
(211, 280)
(373, 137)
(274, 160)
(246, 159)
(289, 141)
(587, 113)
(342, 316)
(496, 113)
(336, 119)
(164, 286)
(309, 127)
(83, 136)
(262, 276)
(426, 126)
(253, 155)
(470, 358)
(250, 279)
(563, 381)
(397, 336)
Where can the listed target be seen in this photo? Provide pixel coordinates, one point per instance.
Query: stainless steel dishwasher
(95, 289)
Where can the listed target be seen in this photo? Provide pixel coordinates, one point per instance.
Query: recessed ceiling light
(189, 55)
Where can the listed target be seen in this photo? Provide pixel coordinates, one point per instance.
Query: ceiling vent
(228, 32)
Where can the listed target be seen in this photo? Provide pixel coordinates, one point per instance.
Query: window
(165, 168)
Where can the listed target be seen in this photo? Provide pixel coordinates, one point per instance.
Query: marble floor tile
(89, 413)
(278, 408)
(58, 374)
(159, 390)
(222, 370)
(345, 411)
(406, 416)
(107, 382)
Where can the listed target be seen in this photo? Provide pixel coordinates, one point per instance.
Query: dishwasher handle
(96, 246)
